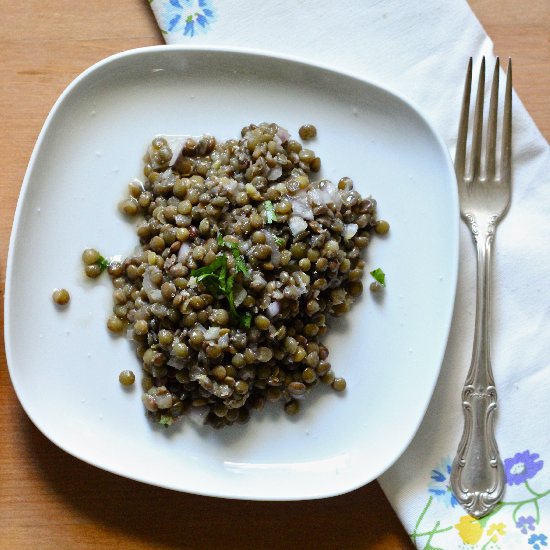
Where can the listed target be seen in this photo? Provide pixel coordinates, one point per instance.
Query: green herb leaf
(246, 319)
(231, 296)
(202, 272)
(166, 420)
(103, 263)
(240, 264)
(215, 277)
(243, 319)
(270, 214)
(279, 241)
(379, 275)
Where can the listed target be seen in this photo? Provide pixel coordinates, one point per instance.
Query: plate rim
(270, 56)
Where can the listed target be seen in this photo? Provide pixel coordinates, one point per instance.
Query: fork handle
(477, 475)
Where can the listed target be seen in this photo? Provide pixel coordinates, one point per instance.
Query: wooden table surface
(49, 499)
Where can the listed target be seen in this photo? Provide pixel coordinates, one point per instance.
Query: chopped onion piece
(164, 400)
(213, 333)
(300, 207)
(195, 372)
(222, 390)
(350, 229)
(239, 294)
(275, 173)
(275, 252)
(147, 283)
(153, 293)
(176, 362)
(185, 248)
(245, 247)
(316, 197)
(231, 185)
(273, 309)
(301, 286)
(297, 224)
(198, 415)
(223, 342)
(330, 193)
(283, 135)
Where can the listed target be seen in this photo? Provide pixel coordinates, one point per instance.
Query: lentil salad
(244, 256)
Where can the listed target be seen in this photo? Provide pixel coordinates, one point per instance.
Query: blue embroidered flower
(187, 17)
(523, 523)
(521, 467)
(440, 484)
(534, 541)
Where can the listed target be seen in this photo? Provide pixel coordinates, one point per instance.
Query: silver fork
(477, 475)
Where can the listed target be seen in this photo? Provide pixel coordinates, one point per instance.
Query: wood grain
(49, 499)
(521, 30)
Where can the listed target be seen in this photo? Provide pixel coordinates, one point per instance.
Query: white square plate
(64, 365)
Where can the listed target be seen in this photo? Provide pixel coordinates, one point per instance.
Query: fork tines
(477, 130)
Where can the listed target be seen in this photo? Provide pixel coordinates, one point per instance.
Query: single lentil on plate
(307, 131)
(61, 296)
(245, 254)
(126, 377)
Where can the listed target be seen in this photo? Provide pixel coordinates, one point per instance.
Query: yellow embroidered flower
(496, 529)
(469, 529)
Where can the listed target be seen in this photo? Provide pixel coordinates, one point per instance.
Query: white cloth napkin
(420, 49)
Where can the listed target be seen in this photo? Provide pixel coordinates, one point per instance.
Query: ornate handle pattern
(477, 475)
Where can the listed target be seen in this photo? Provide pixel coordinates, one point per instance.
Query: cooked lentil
(307, 131)
(126, 377)
(382, 227)
(375, 286)
(244, 257)
(61, 296)
(339, 384)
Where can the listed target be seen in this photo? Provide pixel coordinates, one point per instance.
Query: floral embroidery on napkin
(440, 484)
(517, 516)
(186, 17)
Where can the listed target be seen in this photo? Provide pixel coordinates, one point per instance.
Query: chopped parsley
(166, 420)
(240, 264)
(103, 263)
(379, 276)
(246, 319)
(270, 214)
(279, 241)
(215, 277)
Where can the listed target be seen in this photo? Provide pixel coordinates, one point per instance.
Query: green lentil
(90, 256)
(61, 296)
(92, 271)
(307, 131)
(126, 377)
(382, 227)
(339, 384)
(114, 324)
(262, 322)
